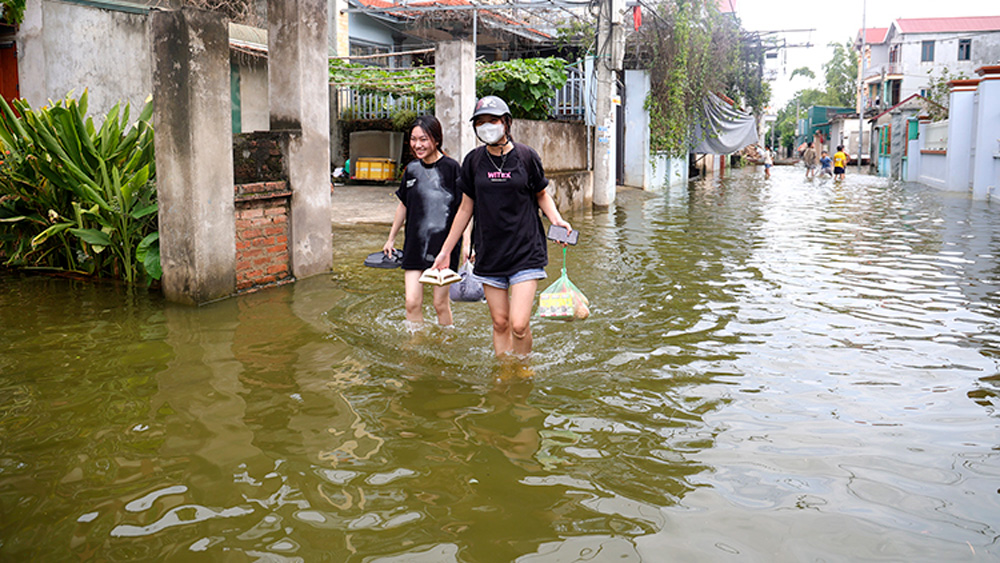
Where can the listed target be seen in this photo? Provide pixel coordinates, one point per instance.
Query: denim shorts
(504, 282)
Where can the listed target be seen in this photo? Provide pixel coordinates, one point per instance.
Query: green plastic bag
(563, 301)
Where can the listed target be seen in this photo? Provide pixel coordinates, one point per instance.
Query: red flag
(637, 17)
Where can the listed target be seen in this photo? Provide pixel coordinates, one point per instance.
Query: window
(965, 49)
(926, 51)
(894, 54)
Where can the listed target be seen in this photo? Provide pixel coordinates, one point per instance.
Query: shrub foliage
(77, 198)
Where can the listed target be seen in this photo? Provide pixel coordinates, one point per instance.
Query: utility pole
(610, 54)
(861, 88)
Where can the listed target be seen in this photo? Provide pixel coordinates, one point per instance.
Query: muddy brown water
(773, 370)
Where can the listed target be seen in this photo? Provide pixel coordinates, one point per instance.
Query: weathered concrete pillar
(960, 116)
(986, 166)
(194, 155)
(298, 80)
(455, 95)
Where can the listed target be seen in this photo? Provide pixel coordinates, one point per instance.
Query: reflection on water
(773, 370)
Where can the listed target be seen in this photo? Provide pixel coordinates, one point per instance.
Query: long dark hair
(431, 126)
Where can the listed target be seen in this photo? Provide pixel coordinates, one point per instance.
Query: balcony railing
(888, 68)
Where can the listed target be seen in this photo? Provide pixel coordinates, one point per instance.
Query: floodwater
(773, 371)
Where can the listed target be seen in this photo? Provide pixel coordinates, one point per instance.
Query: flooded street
(780, 370)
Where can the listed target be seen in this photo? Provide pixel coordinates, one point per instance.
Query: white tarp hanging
(726, 129)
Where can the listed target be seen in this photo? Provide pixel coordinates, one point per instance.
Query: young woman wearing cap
(504, 188)
(428, 200)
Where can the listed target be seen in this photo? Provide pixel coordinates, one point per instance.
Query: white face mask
(490, 133)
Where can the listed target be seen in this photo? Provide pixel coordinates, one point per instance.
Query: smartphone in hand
(559, 234)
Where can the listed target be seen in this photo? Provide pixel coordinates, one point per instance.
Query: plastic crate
(378, 169)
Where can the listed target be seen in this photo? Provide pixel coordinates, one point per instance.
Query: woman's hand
(388, 247)
(441, 262)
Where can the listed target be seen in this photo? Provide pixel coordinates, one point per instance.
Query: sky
(835, 21)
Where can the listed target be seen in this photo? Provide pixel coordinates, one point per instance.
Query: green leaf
(92, 236)
(141, 212)
(49, 233)
(148, 253)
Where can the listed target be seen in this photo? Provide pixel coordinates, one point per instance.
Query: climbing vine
(526, 84)
(690, 50)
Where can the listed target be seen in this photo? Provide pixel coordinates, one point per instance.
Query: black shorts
(838, 169)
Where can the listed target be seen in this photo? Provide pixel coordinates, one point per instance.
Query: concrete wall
(934, 170)
(930, 166)
(64, 46)
(562, 146)
(563, 150)
(665, 172)
(971, 162)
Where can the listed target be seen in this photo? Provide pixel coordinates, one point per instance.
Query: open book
(439, 277)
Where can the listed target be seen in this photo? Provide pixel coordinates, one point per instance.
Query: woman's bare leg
(442, 304)
(499, 304)
(413, 292)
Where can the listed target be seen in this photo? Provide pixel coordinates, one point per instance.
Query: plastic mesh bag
(562, 300)
(469, 289)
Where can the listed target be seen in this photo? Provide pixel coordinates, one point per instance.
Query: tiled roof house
(900, 59)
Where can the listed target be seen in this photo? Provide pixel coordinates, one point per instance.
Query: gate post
(455, 95)
(299, 89)
(194, 155)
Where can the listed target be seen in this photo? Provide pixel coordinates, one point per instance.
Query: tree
(802, 71)
(690, 50)
(939, 92)
(841, 73)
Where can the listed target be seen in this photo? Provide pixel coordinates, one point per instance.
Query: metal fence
(570, 100)
(568, 103)
(356, 105)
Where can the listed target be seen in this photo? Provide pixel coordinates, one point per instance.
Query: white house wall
(985, 50)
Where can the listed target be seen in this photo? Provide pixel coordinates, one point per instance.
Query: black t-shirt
(507, 230)
(431, 195)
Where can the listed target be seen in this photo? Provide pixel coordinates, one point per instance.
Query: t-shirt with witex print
(431, 195)
(507, 230)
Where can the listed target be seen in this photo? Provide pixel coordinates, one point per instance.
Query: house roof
(726, 6)
(875, 35)
(945, 25)
(404, 11)
(907, 100)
